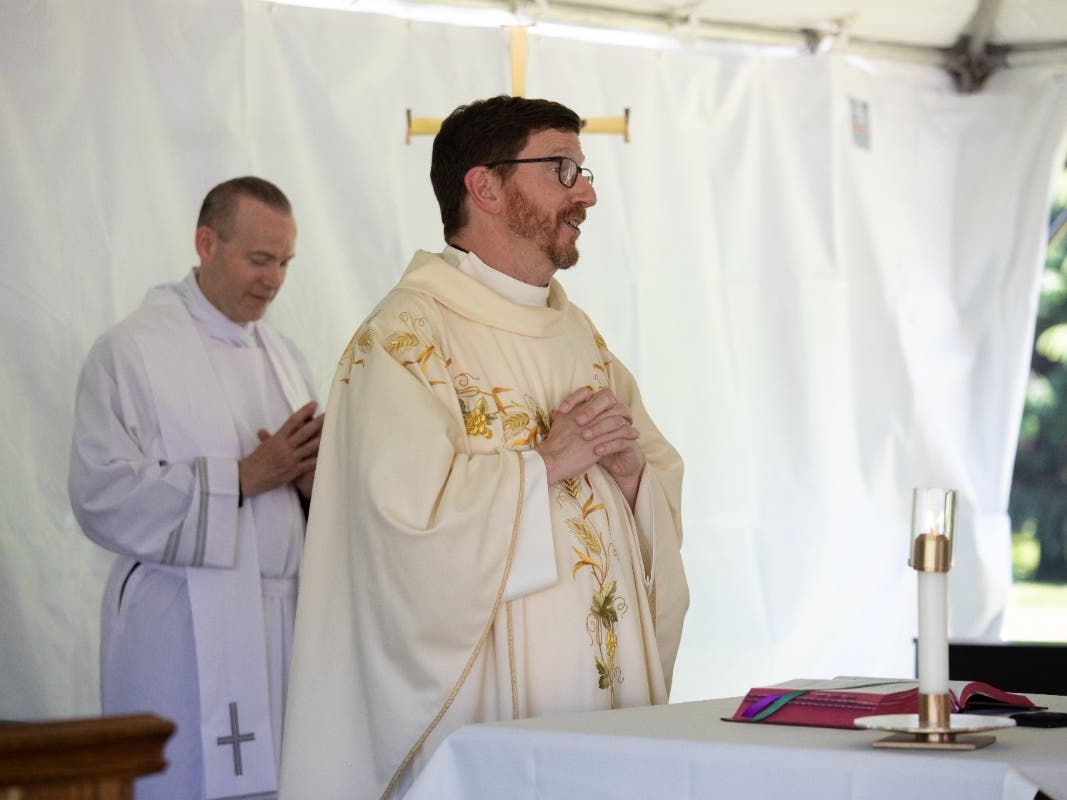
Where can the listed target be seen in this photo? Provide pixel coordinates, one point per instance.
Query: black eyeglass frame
(586, 173)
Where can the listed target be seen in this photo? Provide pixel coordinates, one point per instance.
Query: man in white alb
(194, 450)
(496, 527)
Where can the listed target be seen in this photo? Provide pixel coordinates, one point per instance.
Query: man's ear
(484, 189)
(206, 241)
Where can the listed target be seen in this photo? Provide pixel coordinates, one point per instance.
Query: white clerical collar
(516, 291)
(210, 319)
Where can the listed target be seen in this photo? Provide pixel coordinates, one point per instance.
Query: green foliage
(1052, 343)
(603, 607)
(1038, 504)
(1025, 553)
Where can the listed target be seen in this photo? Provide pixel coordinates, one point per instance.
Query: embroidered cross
(235, 739)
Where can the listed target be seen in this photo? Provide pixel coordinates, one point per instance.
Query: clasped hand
(593, 428)
(287, 456)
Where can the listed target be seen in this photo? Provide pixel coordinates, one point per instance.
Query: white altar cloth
(686, 752)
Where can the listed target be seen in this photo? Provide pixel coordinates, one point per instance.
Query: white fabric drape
(817, 325)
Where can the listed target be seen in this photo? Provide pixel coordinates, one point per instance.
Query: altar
(686, 751)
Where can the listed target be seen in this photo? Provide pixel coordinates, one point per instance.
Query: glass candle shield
(933, 526)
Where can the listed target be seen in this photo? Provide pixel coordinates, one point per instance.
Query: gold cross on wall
(428, 126)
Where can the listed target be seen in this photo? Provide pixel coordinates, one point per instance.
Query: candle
(933, 632)
(933, 526)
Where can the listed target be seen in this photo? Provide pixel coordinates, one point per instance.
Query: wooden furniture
(80, 759)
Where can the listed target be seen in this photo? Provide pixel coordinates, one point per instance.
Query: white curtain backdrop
(824, 273)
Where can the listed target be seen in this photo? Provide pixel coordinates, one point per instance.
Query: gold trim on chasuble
(477, 646)
(395, 344)
(511, 663)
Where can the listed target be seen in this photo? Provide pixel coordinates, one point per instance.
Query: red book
(836, 703)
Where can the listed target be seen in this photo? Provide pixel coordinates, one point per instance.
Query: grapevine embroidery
(411, 347)
(595, 554)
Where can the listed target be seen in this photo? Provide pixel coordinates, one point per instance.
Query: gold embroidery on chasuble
(413, 346)
(519, 421)
(595, 553)
(363, 341)
(600, 368)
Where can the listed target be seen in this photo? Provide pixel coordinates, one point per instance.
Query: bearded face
(554, 234)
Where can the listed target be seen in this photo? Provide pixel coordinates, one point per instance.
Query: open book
(836, 703)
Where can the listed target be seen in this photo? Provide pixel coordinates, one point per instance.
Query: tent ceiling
(924, 23)
(970, 38)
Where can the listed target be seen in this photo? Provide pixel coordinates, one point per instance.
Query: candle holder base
(911, 733)
(933, 741)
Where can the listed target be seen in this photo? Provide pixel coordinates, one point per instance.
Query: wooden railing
(80, 759)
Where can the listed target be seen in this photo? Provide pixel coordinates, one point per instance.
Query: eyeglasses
(567, 169)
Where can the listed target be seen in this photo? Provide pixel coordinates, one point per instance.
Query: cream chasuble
(404, 630)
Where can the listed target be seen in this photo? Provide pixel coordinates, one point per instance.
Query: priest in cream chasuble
(452, 573)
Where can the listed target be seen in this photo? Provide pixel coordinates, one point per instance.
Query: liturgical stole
(196, 422)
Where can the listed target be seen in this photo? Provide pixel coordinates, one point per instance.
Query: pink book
(836, 703)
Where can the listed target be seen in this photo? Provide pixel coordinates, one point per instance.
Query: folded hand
(287, 456)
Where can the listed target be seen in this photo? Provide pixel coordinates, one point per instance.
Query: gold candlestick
(933, 526)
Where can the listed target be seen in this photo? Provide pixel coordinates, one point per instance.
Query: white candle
(933, 632)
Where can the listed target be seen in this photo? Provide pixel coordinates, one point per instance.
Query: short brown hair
(482, 132)
(220, 205)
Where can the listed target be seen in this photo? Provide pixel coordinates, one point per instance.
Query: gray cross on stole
(234, 739)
